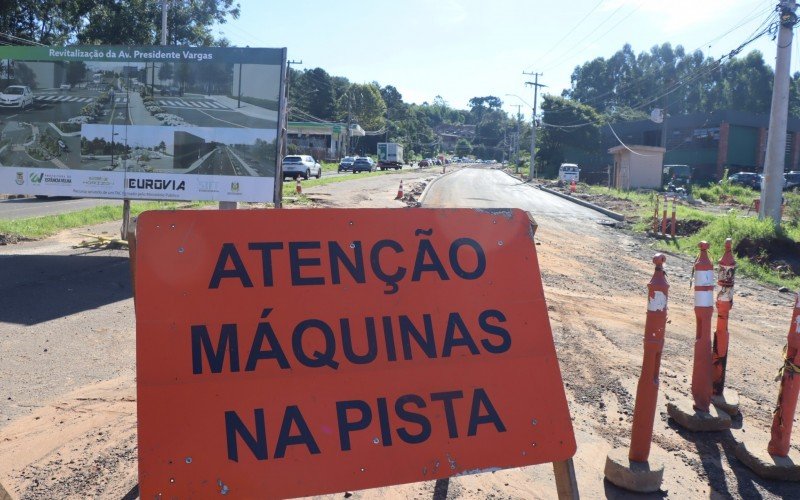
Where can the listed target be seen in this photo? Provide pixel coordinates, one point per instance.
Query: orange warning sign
(283, 353)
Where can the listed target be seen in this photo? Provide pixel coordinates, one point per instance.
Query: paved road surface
(23, 208)
(489, 188)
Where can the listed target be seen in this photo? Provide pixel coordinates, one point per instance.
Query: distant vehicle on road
(569, 172)
(363, 164)
(16, 96)
(390, 155)
(304, 166)
(346, 163)
(65, 86)
(792, 180)
(171, 91)
(423, 163)
(748, 179)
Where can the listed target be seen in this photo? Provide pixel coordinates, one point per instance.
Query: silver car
(304, 166)
(16, 96)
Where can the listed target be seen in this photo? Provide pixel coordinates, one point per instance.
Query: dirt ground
(82, 444)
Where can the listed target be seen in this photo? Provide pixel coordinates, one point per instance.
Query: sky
(460, 49)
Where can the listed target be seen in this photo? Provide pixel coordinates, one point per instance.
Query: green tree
(570, 125)
(365, 105)
(165, 72)
(463, 147)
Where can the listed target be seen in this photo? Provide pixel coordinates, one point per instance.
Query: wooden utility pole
(771, 195)
(535, 84)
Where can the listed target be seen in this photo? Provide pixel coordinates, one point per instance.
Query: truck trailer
(390, 155)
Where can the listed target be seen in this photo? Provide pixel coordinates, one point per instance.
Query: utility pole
(535, 84)
(771, 197)
(516, 139)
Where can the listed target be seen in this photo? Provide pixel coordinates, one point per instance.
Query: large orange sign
(284, 353)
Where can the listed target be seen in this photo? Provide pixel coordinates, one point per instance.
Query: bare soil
(82, 443)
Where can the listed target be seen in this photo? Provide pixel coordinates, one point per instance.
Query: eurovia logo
(36, 178)
(20, 180)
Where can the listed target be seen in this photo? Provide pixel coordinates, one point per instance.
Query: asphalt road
(490, 188)
(205, 112)
(25, 208)
(56, 106)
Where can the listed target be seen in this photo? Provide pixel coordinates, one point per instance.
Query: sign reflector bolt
(188, 460)
(500, 243)
(180, 250)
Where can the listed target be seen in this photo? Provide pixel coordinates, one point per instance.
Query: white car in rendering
(16, 96)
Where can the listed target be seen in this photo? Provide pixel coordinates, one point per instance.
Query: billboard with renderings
(159, 123)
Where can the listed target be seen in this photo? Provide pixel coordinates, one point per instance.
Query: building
(711, 142)
(188, 148)
(323, 141)
(637, 167)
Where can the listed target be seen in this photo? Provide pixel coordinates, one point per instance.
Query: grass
(42, 227)
(719, 226)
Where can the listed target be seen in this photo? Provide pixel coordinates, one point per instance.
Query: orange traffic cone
(572, 186)
(400, 191)
(298, 187)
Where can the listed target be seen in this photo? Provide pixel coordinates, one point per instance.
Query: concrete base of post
(728, 402)
(754, 455)
(641, 477)
(685, 415)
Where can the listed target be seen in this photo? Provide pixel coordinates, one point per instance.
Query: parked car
(346, 163)
(423, 163)
(749, 179)
(16, 96)
(792, 180)
(171, 91)
(363, 164)
(304, 166)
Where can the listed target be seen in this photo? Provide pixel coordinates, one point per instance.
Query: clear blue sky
(460, 49)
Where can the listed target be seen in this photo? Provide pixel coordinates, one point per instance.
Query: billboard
(159, 123)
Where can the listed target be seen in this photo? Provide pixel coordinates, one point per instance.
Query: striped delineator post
(635, 471)
(703, 311)
(698, 414)
(726, 273)
(298, 187)
(673, 225)
(789, 376)
(776, 459)
(655, 216)
(664, 218)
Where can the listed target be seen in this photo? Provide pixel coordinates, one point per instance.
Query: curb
(421, 198)
(613, 215)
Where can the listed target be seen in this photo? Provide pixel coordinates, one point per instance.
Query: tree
(570, 124)
(321, 98)
(165, 72)
(76, 72)
(365, 105)
(463, 147)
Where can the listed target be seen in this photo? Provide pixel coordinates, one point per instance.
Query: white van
(568, 172)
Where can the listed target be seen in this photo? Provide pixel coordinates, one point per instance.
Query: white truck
(390, 155)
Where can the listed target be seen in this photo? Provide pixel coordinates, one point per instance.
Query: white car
(16, 96)
(304, 166)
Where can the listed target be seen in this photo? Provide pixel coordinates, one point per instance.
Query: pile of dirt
(780, 254)
(10, 239)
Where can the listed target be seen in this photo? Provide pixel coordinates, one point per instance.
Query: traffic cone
(572, 186)
(298, 187)
(400, 191)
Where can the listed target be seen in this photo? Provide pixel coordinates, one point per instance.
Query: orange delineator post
(789, 376)
(644, 411)
(664, 218)
(725, 279)
(298, 187)
(674, 216)
(703, 309)
(572, 186)
(400, 191)
(655, 216)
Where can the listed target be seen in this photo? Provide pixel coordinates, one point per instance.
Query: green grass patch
(42, 227)
(726, 193)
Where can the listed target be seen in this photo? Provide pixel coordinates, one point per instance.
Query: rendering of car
(363, 164)
(749, 179)
(65, 86)
(171, 91)
(304, 166)
(346, 163)
(16, 96)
